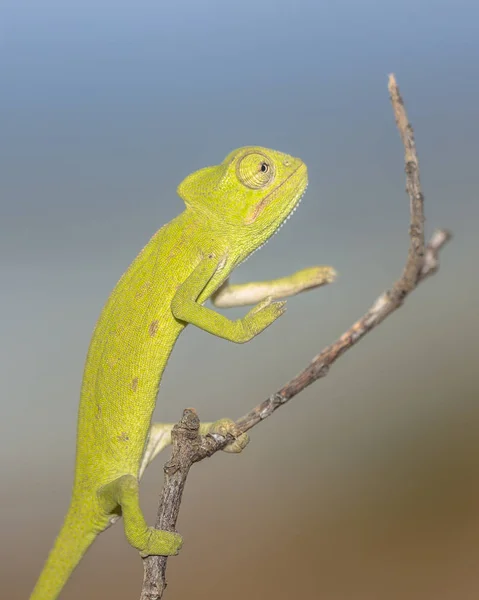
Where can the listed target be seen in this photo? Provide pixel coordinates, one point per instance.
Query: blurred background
(367, 485)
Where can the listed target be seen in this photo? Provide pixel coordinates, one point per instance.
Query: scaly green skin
(231, 210)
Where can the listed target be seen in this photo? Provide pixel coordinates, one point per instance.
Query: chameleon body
(231, 210)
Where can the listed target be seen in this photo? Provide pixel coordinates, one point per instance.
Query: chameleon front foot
(229, 295)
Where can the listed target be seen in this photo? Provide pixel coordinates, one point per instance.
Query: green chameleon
(231, 210)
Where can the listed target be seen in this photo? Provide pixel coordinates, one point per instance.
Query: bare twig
(190, 447)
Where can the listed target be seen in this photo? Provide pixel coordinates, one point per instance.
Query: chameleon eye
(255, 170)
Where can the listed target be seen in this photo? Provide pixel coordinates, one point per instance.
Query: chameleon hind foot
(160, 437)
(124, 492)
(224, 427)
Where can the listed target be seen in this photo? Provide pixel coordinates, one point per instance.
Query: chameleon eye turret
(255, 170)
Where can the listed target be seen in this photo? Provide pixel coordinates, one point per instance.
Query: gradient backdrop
(367, 485)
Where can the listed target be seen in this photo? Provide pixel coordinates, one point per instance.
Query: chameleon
(231, 210)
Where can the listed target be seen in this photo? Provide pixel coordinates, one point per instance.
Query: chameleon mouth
(295, 203)
(259, 208)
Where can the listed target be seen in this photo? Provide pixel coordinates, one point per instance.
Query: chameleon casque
(231, 210)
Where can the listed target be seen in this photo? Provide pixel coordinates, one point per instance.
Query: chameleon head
(248, 196)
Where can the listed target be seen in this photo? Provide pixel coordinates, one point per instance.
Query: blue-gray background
(366, 486)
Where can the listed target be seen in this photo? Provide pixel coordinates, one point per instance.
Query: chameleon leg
(160, 437)
(227, 295)
(123, 492)
(224, 427)
(185, 307)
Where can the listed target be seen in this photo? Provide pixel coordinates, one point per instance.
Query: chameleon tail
(79, 530)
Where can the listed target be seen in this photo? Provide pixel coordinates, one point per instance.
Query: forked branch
(189, 447)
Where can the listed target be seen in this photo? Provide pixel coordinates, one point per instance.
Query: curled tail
(79, 530)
